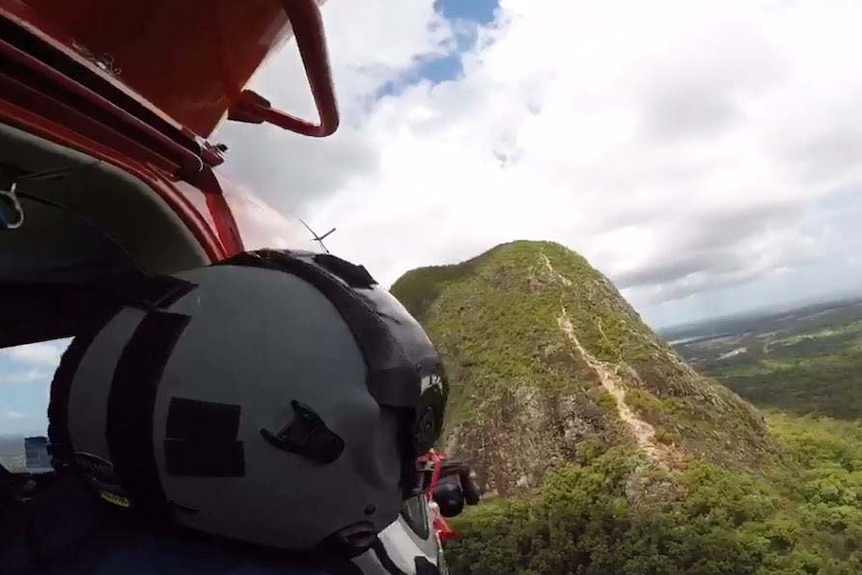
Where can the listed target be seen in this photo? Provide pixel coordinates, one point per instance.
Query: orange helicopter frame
(59, 81)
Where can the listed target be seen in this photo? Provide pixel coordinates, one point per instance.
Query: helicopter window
(25, 378)
(415, 514)
(260, 226)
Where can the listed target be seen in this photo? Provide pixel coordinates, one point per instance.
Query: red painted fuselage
(141, 85)
(189, 58)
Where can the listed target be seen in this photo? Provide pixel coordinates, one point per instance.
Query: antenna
(318, 239)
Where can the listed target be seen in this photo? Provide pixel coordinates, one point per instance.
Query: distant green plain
(808, 372)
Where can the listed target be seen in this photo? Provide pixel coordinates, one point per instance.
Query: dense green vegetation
(805, 361)
(818, 372)
(803, 516)
(554, 377)
(524, 398)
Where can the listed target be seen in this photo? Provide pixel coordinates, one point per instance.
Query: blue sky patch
(479, 11)
(465, 16)
(434, 70)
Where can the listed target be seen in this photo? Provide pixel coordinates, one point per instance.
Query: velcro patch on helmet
(201, 439)
(202, 421)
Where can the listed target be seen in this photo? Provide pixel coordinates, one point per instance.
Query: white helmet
(278, 397)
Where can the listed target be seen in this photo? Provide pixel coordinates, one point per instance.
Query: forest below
(802, 515)
(799, 513)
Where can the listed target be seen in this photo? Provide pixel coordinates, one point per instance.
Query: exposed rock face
(549, 363)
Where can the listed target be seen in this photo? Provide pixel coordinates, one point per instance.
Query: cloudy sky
(704, 155)
(26, 378)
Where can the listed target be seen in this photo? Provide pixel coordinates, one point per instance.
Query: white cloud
(681, 145)
(371, 44)
(11, 414)
(45, 353)
(29, 376)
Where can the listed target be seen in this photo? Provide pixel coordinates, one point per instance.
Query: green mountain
(608, 454)
(549, 363)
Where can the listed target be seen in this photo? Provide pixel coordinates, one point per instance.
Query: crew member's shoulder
(63, 527)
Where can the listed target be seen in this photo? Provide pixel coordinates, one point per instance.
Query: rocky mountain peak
(549, 364)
